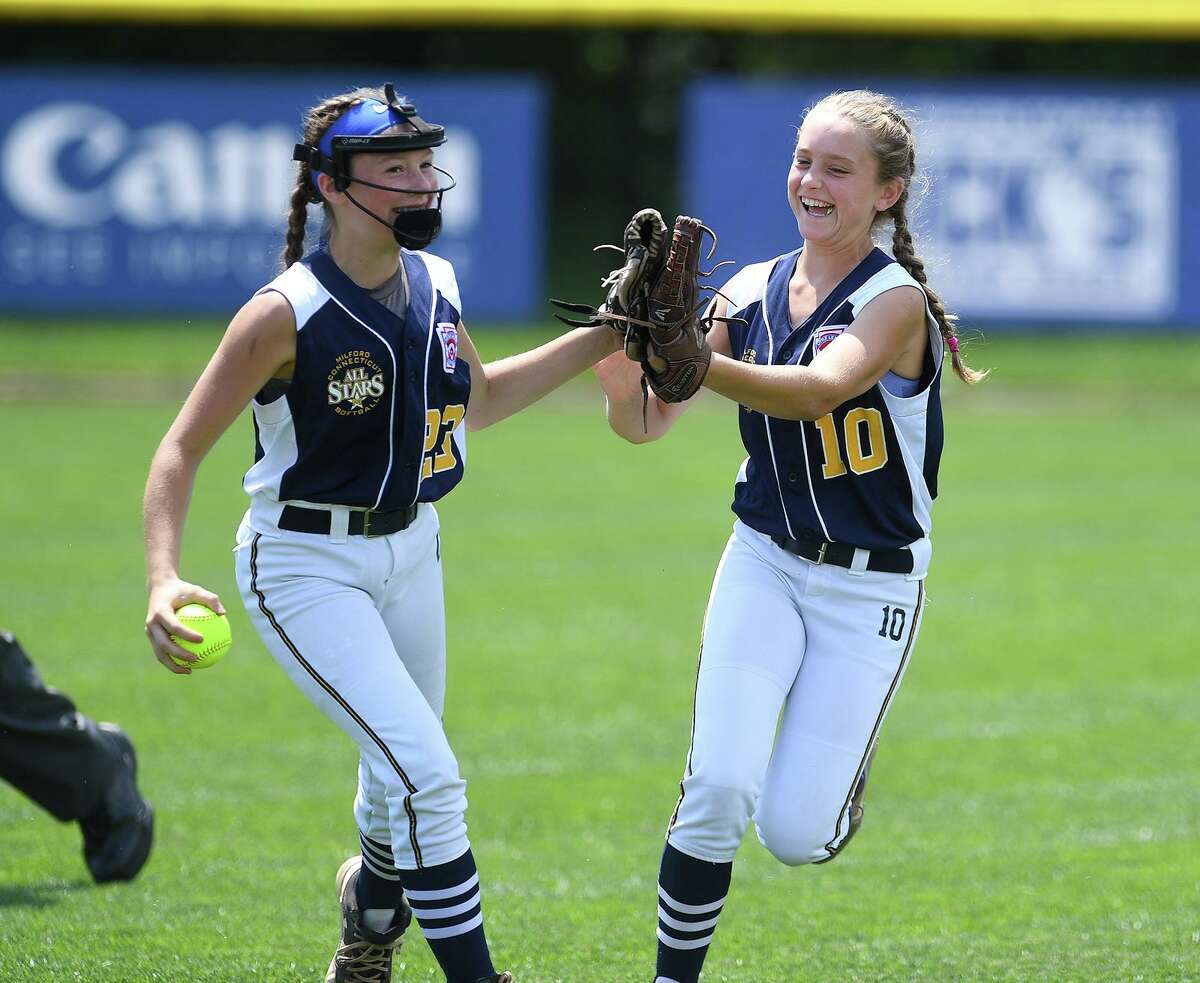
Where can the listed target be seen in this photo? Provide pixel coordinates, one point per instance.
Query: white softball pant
(799, 664)
(359, 625)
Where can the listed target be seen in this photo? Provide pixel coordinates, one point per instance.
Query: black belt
(295, 518)
(841, 555)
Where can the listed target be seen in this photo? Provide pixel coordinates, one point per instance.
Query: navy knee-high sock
(691, 894)
(445, 900)
(378, 879)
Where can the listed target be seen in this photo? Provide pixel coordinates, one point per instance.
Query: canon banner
(1042, 202)
(143, 192)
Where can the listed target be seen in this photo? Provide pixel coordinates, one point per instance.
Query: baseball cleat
(364, 956)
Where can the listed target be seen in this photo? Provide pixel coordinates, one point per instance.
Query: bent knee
(798, 843)
(792, 849)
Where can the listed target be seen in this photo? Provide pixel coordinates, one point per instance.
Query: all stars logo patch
(355, 384)
(448, 334)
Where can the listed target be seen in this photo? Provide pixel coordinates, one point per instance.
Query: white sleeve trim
(301, 289)
(747, 285)
(889, 278)
(441, 273)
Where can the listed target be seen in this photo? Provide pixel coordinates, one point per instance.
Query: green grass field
(1034, 810)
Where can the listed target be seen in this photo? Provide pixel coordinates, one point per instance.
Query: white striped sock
(447, 912)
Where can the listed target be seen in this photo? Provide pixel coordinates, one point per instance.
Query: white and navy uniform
(338, 556)
(818, 597)
(867, 474)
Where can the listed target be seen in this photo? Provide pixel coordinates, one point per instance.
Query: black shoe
(364, 956)
(118, 832)
(498, 978)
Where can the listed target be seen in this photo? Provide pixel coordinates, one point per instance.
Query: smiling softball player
(362, 381)
(834, 354)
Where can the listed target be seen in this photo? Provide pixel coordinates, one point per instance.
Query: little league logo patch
(825, 335)
(448, 333)
(355, 384)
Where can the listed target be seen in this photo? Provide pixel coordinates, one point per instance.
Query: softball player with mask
(834, 355)
(362, 381)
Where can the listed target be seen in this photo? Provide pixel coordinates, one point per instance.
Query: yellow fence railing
(1172, 19)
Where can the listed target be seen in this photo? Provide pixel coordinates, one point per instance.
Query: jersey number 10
(865, 446)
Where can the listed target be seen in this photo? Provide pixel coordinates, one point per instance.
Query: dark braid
(891, 138)
(293, 247)
(316, 122)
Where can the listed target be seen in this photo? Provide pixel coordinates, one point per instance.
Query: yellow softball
(215, 629)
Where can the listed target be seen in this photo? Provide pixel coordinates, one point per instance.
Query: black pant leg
(48, 749)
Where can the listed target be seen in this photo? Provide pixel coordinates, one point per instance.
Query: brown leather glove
(678, 335)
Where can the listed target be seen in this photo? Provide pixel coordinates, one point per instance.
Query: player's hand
(619, 377)
(161, 623)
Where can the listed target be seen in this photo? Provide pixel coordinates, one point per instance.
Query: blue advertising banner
(1045, 203)
(167, 193)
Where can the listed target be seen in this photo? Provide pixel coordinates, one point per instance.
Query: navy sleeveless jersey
(372, 416)
(865, 474)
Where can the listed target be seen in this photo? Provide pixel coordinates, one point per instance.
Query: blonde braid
(906, 255)
(316, 122)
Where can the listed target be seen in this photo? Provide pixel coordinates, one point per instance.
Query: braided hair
(890, 136)
(316, 121)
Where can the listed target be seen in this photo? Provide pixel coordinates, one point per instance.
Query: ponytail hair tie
(952, 342)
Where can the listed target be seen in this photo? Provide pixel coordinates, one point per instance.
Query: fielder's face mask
(363, 129)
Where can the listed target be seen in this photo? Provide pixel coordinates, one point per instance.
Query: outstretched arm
(504, 387)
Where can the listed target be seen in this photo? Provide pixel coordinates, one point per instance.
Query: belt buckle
(821, 554)
(366, 524)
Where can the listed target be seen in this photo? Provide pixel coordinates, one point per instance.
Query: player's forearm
(513, 383)
(786, 392)
(632, 415)
(627, 420)
(164, 507)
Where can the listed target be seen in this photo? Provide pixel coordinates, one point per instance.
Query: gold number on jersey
(863, 427)
(440, 424)
(833, 466)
